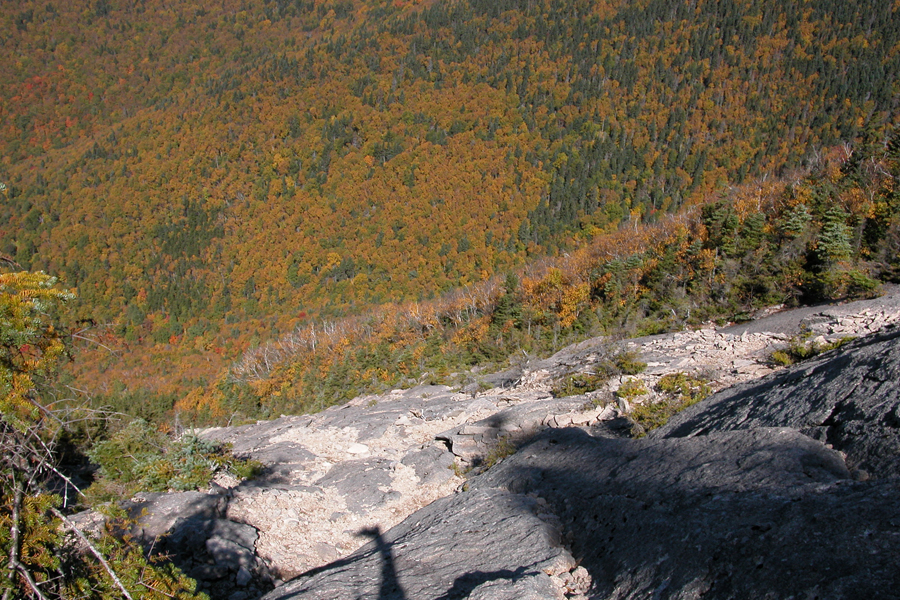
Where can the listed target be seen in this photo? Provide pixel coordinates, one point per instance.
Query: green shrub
(501, 450)
(838, 282)
(781, 358)
(631, 389)
(683, 387)
(245, 468)
(459, 470)
(799, 350)
(140, 458)
(579, 383)
(120, 457)
(622, 363)
(628, 363)
(679, 391)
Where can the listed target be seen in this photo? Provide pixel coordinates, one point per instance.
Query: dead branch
(74, 529)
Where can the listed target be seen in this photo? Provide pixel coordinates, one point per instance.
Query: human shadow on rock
(390, 586)
(190, 530)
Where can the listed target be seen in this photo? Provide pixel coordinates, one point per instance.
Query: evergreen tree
(40, 561)
(834, 243)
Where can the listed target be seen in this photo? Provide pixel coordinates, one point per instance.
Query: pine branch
(74, 529)
(14, 563)
(26, 575)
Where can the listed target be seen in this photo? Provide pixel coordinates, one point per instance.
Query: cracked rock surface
(740, 514)
(376, 483)
(743, 495)
(848, 398)
(485, 544)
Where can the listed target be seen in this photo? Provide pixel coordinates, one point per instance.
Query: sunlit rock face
(508, 489)
(782, 487)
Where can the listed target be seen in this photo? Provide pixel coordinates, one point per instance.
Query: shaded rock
(239, 533)
(191, 529)
(432, 463)
(738, 497)
(283, 453)
(208, 572)
(847, 398)
(229, 554)
(181, 516)
(449, 549)
(739, 489)
(728, 515)
(763, 460)
(243, 577)
(280, 476)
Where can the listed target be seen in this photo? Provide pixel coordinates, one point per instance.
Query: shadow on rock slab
(765, 513)
(452, 548)
(753, 493)
(190, 528)
(848, 398)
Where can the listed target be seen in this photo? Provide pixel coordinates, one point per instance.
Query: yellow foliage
(31, 345)
(557, 293)
(473, 333)
(573, 298)
(855, 202)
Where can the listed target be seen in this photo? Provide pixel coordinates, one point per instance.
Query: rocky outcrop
(748, 494)
(488, 543)
(848, 399)
(341, 490)
(736, 514)
(192, 530)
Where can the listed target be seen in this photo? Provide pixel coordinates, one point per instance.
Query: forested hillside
(207, 177)
(832, 234)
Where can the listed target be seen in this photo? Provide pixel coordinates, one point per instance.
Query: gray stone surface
(739, 497)
(449, 549)
(365, 482)
(825, 319)
(791, 481)
(246, 439)
(741, 514)
(473, 441)
(524, 586)
(432, 463)
(157, 513)
(758, 460)
(376, 415)
(847, 398)
(284, 453)
(191, 529)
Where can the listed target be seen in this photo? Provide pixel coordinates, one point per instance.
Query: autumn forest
(272, 205)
